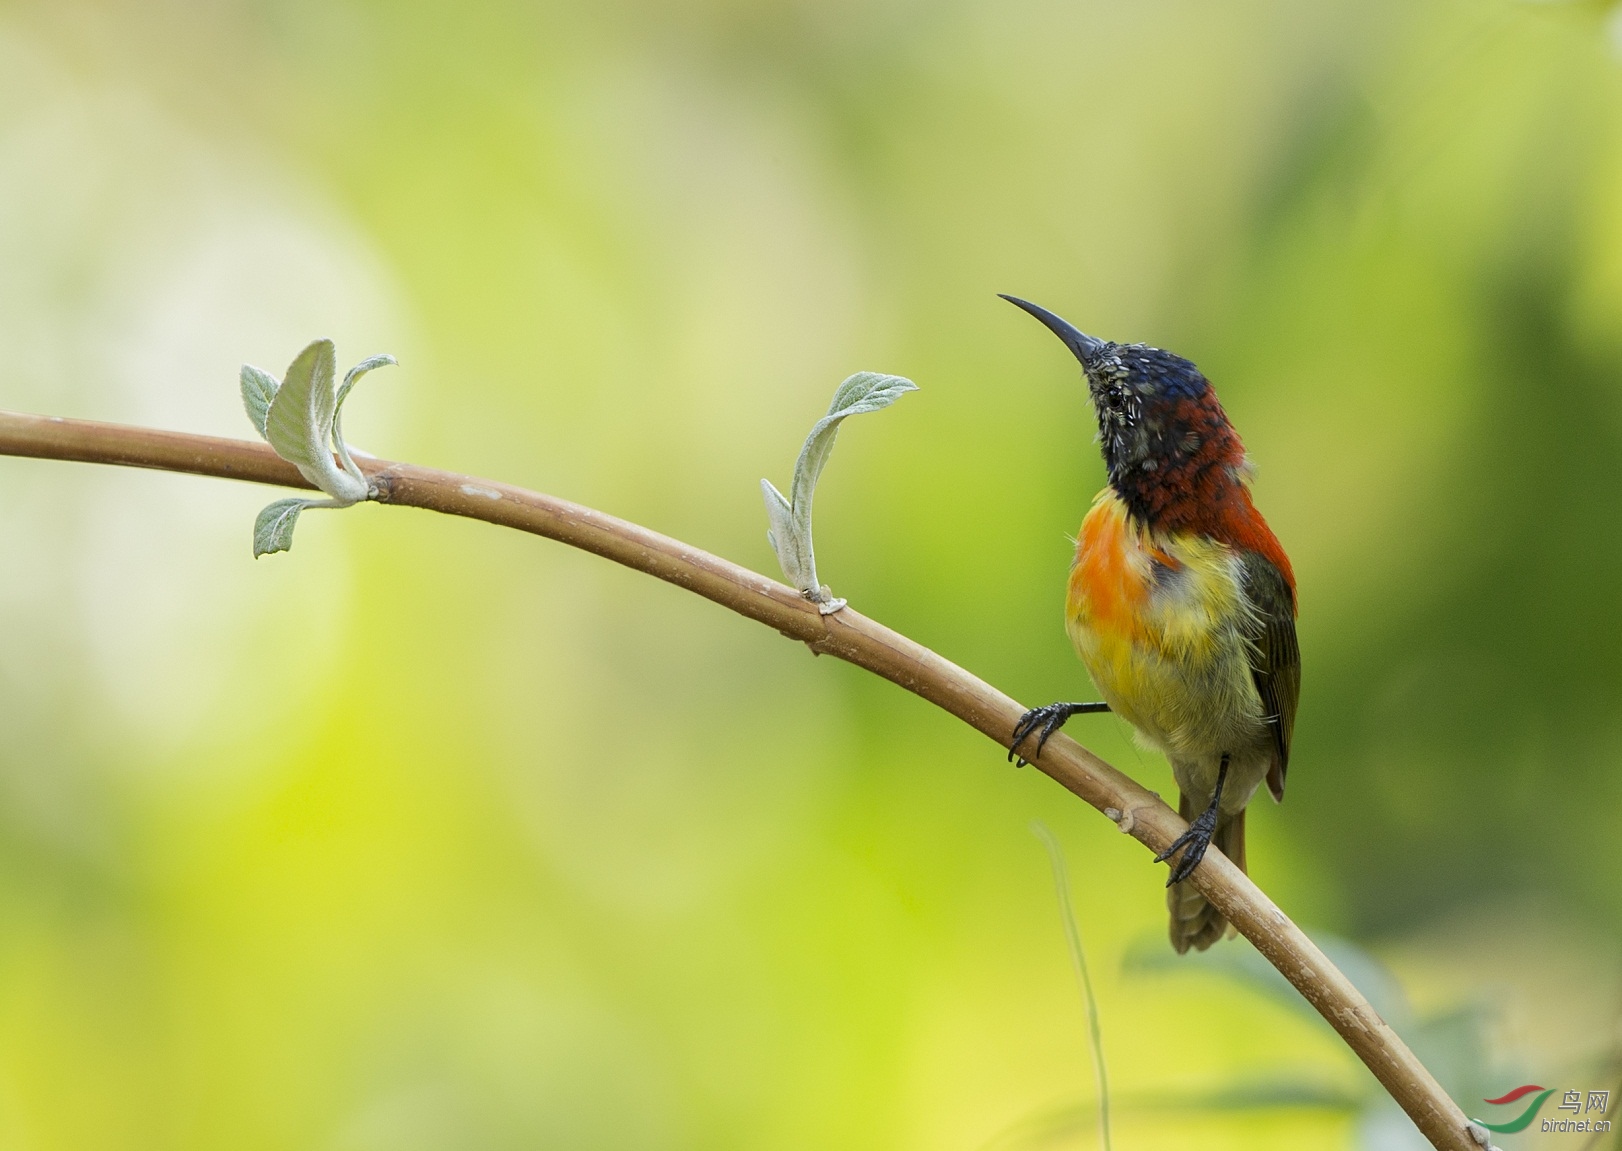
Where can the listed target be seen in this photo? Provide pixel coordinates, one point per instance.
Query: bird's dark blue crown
(1151, 372)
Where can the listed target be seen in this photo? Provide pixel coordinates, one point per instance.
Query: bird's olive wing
(1276, 662)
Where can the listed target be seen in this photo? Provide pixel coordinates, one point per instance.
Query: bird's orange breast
(1110, 581)
(1113, 575)
(1106, 610)
(1159, 621)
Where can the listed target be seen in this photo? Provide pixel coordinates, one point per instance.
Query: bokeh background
(432, 836)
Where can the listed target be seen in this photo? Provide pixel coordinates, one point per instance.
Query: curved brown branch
(846, 634)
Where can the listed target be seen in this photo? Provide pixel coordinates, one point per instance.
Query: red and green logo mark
(1524, 1120)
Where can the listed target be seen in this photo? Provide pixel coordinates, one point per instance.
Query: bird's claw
(1049, 719)
(1194, 841)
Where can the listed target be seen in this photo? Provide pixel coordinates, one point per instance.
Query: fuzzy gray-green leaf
(863, 392)
(783, 540)
(299, 419)
(299, 424)
(351, 378)
(868, 392)
(790, 534)
(273, 529)
(353, 375)
(258, 389)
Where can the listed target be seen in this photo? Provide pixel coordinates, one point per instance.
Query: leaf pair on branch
(302, 418)
(790, 518)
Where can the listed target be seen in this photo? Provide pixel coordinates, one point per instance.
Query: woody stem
(845, 634)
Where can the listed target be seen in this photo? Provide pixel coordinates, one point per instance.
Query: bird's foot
(1048, 720)
(1194, 841)
(1197, 838)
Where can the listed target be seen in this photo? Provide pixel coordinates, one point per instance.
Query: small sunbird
(1181, 605)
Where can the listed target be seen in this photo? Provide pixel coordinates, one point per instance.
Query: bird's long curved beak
(1081, 345)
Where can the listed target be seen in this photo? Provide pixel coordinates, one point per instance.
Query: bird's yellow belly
(1158, 622)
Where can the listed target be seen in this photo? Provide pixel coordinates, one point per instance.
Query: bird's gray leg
(1198, 836)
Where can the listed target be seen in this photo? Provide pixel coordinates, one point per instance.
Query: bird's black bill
(1081, 345)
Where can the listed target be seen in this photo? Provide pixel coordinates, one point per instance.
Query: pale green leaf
(351, 378)
(791, 537)
(258, 389)
(299, 424)
(868, 392)
(273, 529)
(353, 375)
(783, 540)
(863, 392)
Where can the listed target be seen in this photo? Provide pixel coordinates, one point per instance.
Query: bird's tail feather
(1194, 922)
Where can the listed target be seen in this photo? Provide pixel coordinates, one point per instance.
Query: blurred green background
(431, 836)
